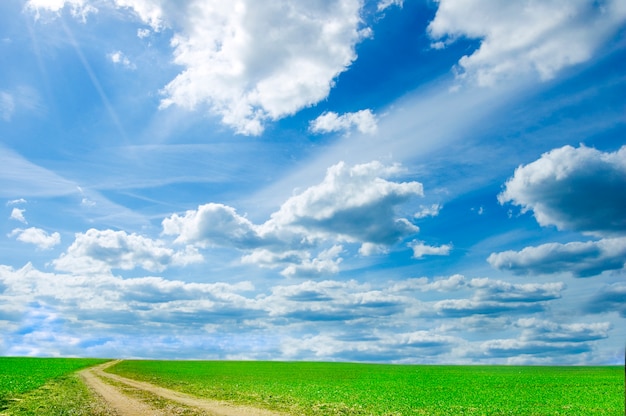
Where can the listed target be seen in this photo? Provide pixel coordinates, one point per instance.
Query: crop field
(20, 376)
(306, 388)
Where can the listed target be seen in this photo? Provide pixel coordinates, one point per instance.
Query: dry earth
(124, 405)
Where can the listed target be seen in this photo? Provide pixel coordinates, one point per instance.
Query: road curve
(124, 405)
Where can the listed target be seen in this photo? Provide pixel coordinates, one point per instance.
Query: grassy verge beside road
(366, 389)
(44, 386)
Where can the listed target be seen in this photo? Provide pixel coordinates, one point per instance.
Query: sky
(417, 181)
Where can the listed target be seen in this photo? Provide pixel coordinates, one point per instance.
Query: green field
(32, 385)
(306, 388)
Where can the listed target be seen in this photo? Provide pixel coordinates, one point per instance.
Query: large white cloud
(580, 189)
(99, 251)
(354, 204)
(247, 61)
(213, 224)
(526, 36)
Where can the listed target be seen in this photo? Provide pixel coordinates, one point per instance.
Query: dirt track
(123, 405)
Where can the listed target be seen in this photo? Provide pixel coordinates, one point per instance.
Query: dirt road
(124, 405)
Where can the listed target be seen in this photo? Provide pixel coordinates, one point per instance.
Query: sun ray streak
(96, 83)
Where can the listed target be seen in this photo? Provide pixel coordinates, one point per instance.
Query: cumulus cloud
(364, 121)
(251, 62)
(17, 214)
(354, 204)
(582, 259)
(247, 62)
(327, 262)
(213, 224)
(99, 251)
(580, 189)
(36, 236)
(524, 37)
(420, 249)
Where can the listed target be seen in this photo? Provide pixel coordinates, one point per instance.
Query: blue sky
(386, 181)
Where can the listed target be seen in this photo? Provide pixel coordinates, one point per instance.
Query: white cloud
(250, 62)
(73, 314)
(36, 236)
(522, 37)
(78, 8)
(352, 204)
(364, 121)
(326, 263)
(150, 11)
(431, 211)
(143, 33)
(118, 57)
(18, 215)
(384, 4)
(370, 249)
(213, 224)
(580, 189)
(582, 259)
(99, 251)
(420, 249)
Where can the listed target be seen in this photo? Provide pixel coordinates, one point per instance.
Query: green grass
(31, 385)
(364, 389)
